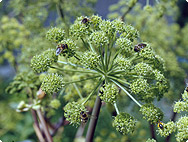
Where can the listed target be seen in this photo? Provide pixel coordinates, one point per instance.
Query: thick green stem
(93, 121)
(45, 128)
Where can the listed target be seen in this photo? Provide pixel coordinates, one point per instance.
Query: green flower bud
(69, 48)
(180, 106)
(148, 8)
(22, 106)
(55, 103)
(131, 33)
(143, 69)
(79, 29)
(90, 60)
(185, 96)
(151, 113)
(139, 86)
(55, 34)
(52, 83)
(167, 129)
(107, 27)
(151, 140)
(124, 44)
(40, 63)
(119, 25)
(182, 127)
(98, 38)
(72, 112)
(124, 123)
(123, 63)
(95, 21)
(108, 93)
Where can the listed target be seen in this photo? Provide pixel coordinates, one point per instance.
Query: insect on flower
(84, 116)
(60, 48)
(85, 20)
(160, 124)
(139, 46)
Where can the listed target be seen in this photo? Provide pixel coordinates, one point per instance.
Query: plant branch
(44, 126)
(78, 91)
(93, 121)
(152, 130)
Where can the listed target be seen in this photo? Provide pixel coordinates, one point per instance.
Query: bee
(139, 46)
(85, 20)
(41, 94)
(160, 125)
(84, 116)
(60, 48)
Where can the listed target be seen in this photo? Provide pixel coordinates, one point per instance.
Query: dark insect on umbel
(84, 116)
(85, 20)
(139, 46)
(160, 125)
(60, 48)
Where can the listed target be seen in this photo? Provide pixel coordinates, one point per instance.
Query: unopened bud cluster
(52, 82)
(72, 112)
(55, 34)
(151, 113)
(124, 123)
(182, 105)
(108, 93)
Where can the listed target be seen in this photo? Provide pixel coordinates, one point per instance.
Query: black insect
(84, 116)
(139, 46)
(60, 48)
(85, 20)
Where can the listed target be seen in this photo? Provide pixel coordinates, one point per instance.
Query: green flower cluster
(182, 105)
(151, 140)
(143, 69)
(55, 34)
(72, 112)
(168, 128)
(99, 38)
(125, 44)
(123, 63)
(182, 128)
(151, 113)
(41, 63)
(108, 93)
(24, 82)
(90, 60)
(55, 103)
(52, 83)
(124, 123)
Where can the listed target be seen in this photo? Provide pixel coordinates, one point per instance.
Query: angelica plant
(107, 54)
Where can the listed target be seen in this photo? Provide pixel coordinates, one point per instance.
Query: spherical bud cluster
(151, 140)
(151, 113)
(123, 63)
(55, 104)
(182, 127)
(161, 83)
(119, 25)
(180, 106)
(139, 86)
(143, 69)
(99, 38)
(108, 93)
(167, 129)
(185, 96)
(124, 123)
(95, 20)
(148, 8)
(107, 27)
(40, 63)
(90, 59)
(55, 34)
(147, 53)
(124, 44)
(72, 112)
(52, 83)
(79, 29)
(131, 33)
(69, 51)
(158, 63)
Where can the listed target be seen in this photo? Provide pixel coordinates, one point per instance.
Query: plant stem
(75, 86)
(116, 108)
(152, 130)
(45, 128)
(127, 93)
(93, 121)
